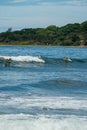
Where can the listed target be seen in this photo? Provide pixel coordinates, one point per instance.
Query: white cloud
(62, 2)
(18, 1)
(44, 2)
(76, 2)
(41, 15)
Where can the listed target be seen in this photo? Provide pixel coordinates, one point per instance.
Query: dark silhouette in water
(7, 62)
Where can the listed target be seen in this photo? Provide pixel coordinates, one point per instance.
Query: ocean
(39, 90)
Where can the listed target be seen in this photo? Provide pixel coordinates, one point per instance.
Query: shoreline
(81, 46)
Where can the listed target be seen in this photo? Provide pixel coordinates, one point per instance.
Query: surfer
(39, 57)
(67, 59)
(7, 62)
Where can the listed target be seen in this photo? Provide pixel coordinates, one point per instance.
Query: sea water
(39, 90)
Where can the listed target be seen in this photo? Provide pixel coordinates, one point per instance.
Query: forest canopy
(68, 35)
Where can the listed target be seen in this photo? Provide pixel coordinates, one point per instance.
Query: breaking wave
(42, 118)
(42, 59)
(27, 122)
(24, 61)
(23, 58)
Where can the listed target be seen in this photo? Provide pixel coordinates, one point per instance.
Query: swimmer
(7, 62)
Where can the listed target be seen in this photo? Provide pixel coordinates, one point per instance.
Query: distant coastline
(79, 46)
(68, 35)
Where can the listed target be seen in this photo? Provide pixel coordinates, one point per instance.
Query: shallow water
(44, 93)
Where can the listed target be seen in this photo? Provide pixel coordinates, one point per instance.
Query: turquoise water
(43, 93)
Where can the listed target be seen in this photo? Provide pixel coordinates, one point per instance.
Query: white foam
(24, 58)
(38, 121)
(26, 122)
(44, 102)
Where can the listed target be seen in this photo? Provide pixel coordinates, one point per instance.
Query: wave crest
(23, 58)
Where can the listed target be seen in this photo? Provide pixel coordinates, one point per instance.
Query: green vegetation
(69, 35)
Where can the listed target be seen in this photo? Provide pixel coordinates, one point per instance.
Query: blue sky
(20, 14)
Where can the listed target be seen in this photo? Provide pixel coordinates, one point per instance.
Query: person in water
(67, 59)
(39, 57)
(7, 62)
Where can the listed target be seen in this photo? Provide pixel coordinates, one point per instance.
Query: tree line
(68, 35)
